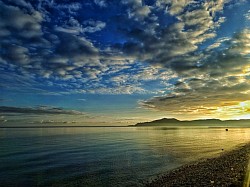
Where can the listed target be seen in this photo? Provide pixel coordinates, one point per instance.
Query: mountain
(210, 122)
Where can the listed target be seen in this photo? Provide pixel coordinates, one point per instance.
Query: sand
(229, 169)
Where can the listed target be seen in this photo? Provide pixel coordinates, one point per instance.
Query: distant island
(200, 122)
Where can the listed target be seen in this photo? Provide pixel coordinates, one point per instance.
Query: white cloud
(16, 54)
(81, 99)
(247, 15)
(221, 81)
(39, 110)
(173, 7)
(66, 51)
(101, 3)
(93, 26)
(14, 21)
(140, 13)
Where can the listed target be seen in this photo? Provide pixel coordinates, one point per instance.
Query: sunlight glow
(238, 111)
(247, 116)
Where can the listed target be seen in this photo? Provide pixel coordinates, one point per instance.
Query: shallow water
(105, 156)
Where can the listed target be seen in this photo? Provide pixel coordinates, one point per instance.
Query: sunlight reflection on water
(97, 156)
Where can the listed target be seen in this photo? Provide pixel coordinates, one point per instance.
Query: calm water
(105, 156)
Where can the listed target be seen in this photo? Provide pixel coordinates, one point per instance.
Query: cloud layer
(222, 80)
(38, 110)
(181, 51)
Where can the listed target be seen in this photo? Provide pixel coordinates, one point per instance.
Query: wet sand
(229, 169)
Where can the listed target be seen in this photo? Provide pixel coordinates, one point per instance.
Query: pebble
(227, 170)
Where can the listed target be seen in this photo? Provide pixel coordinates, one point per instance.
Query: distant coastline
(164, 122)
(201, 122)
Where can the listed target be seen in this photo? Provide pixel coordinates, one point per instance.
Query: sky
(122, 62)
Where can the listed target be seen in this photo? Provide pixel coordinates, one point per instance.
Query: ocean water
(105, 156)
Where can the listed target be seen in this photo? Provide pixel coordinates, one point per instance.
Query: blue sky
(125, 61)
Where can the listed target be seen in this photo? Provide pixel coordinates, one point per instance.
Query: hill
(210, 122)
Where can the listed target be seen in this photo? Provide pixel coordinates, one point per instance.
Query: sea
(106, 156)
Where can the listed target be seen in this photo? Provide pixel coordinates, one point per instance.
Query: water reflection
(96, 156)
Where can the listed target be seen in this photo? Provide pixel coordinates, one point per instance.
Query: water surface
(105, 156)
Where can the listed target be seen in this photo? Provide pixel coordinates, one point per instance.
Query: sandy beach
(229, 169)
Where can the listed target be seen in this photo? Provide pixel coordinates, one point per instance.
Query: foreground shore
(229, 169)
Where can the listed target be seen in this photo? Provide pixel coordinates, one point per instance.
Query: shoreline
(231, 168)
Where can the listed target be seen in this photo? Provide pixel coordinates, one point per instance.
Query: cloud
(75, 47)
(140, 12)
(16, 54)
(177, 6)
(30, 50)
(222, 80)
(16, 22)
(81, 99)
(93, 26)
(38, 110)
(218, 43)
(59, 47)
(101, 3)
(137, 10)
(5, 100)
(247, 15)
(72, 26)
(71, 7)
(175, 46)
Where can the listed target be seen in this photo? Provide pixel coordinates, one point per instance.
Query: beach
(228, 169)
